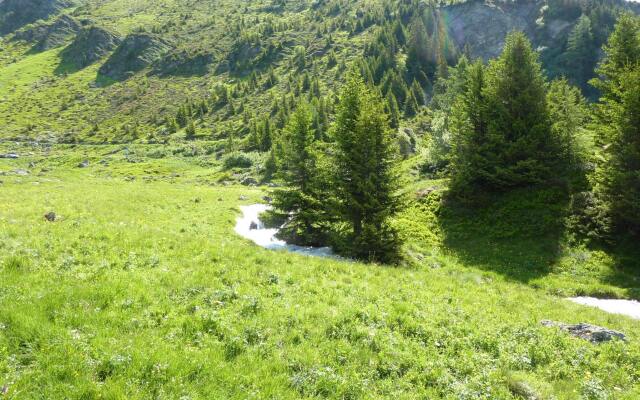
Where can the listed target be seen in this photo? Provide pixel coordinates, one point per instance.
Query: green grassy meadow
(142, 290)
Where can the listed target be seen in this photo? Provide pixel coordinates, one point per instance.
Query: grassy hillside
(260, 50)
(141, 290)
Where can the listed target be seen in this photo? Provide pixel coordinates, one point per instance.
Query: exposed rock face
(592, 333)
(183, 64)
(49, 36)
(135, 53)
(15, 14)
(89, 46)
(482, 26)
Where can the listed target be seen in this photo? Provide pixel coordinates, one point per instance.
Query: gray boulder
(51, 216)
(249, 181)
(592, 333)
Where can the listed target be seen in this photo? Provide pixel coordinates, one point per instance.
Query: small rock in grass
(51, 216)
(21, 172)
(267, 199)
(422, 193)
(243, 198)
(249, 181)
(592, 333)
(84, 164)
(10, 155)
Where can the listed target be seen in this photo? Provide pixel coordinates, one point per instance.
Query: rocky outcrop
(47, 36)
(89, 46)
(482, 27)
(592, 333)
(182, 63)
(14, 14)
(135, 53)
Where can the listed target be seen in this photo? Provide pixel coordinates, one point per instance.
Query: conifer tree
(568, 115)
(622, 54)
(298, 201)
(618, 125)
(469, 127)
(393, 110)
(190, 131)
(581, 54)
(520, 147)
(366, 181)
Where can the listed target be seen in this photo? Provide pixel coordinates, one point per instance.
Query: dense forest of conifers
(336, 94)
(508, 128)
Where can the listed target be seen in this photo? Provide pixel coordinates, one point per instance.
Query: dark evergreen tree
(366, 181)
(190, 131)
(298, 201)
(568, 114)
(470, 128)
(618, 126)
(520, 147)
(581, 53)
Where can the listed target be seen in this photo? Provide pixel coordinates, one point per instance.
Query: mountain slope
(262, 52)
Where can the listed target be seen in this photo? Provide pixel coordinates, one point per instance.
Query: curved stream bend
(249, 226)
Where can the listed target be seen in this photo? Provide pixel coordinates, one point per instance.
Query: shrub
(237, 160)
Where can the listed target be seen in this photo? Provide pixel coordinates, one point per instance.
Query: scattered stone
(10, 155)
(84, 164)
(592, 333)
(51, 216)
(253, 226)
(267, 199)
(422, 193)
(21, 172)
(249, 181)
(243, 198)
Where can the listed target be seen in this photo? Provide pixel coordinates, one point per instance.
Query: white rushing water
(249, 226)
(629, 308)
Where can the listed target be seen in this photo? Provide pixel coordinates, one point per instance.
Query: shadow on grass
(625, 272)
(516, 234)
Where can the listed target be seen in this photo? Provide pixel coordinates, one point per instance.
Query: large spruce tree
(297, 202)
(581, 53)
(469, 127)
(517, 147)
(366, 179)
(618, 128)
